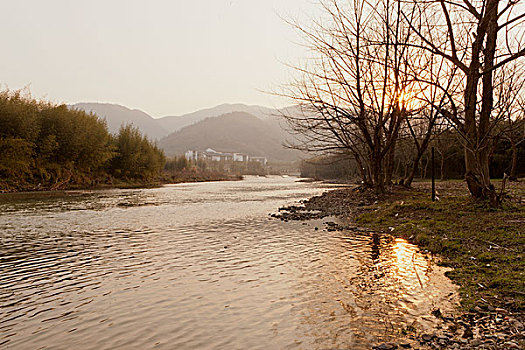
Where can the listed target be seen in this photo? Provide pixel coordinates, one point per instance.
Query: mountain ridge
(261, 123)
(175, 123)
(232, 132)
(117, 115)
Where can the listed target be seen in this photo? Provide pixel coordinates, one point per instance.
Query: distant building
(213, 155)
(240, 157)
(191, 155)
(261, 160)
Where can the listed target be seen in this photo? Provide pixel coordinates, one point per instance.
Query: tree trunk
(472, 171)
(426, 168)
(389, 167)
(398, 165)
(477, 156)
(415, 166)
(442, 166)
(474, 185)
(514, 165)
(378, 174)
(364, 173)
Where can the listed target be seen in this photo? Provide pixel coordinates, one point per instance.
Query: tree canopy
(49, 146)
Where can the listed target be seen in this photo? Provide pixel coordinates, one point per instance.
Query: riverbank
(109, 183)
(198, 176)
(483, 245)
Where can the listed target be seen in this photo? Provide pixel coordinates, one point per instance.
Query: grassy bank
(484, 246)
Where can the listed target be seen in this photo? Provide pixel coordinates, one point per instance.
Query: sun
(406, 96)
(409, 100)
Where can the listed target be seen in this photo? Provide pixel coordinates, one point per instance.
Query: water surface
(201, 266)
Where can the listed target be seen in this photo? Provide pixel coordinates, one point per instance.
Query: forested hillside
(233, 132)
(48, 146)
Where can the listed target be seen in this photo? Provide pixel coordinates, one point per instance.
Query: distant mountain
(232, 132)
(255, 130)
(175, 123)
(116, 115)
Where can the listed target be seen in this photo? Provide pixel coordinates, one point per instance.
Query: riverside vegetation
(507, 158)
(179, 169)
(46, 146)
(49, 146)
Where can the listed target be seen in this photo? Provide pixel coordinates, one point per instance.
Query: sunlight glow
(409, 266)
(408, 100)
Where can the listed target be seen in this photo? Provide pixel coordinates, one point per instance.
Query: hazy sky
(166, 57)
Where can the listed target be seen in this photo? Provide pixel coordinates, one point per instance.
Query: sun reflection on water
(368, 288)
(408, 265)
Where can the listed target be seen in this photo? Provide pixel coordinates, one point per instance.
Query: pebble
(516, 324)
(476, 342)
(427, 337)
(511, 345)
(443, 340)
(385, 346)
(500, 336)
(468, 333)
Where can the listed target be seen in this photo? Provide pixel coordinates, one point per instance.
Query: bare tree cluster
(384, 71)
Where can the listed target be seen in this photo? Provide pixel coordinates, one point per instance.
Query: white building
(211, 154)
(240, 157)
(191, 155)
(261, 160)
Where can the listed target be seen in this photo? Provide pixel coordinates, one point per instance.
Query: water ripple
(200, 266)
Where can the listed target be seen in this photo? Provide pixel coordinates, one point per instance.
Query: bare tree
(436, 85)
(446, 145)
(353, 91)
(478, 38)
(510, 110)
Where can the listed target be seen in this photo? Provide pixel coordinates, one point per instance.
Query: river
(202, 266)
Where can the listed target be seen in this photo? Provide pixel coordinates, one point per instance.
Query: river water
(202, 266)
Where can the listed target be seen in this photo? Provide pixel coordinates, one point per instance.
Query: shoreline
(119, 185)
(492, 312)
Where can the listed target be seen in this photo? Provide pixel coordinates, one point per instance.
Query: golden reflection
(364, 284)
(409, 266)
